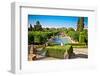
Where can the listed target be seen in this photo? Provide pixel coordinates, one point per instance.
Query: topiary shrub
(82, 38)
(70, 51)
(61, 52)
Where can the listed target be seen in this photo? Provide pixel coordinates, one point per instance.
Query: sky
(51, 21)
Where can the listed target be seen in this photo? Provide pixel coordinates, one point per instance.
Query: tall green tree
(31, 27)
(80, 24)
(38, 26)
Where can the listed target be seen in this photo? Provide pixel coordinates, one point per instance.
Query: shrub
(30, 38)
(82, 37)
(38, 39)
(39, 36)
(74, 35)
(86, 36)
(78, 45)
(59, 51)
(70, 29)
(69, 49)
(52, 44)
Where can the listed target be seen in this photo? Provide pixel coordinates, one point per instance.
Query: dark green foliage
(80, 34)
(30, 27)
(82, 37)
(70, 29)
(70, 51)
(80, 24)
(52, 44)
(38, 26)
(76, 44)
(46, 29)
(30, 38)
(86, 35)
(39, 37)
(74, 35)
(58, 51)
(70, 33)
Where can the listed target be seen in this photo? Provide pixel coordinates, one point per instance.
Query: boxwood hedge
(58, 51)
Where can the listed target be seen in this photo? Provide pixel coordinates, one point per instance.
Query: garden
(56, 42)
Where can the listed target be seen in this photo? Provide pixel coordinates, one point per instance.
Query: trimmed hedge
(82, 37)
(78, 45)
(52, 44)
(59, 51)
(30, 38)
(39, 36)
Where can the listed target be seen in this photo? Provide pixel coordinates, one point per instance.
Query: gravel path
(81, 51)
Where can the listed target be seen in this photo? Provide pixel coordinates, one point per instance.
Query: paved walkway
(81, 50)
(80, 53)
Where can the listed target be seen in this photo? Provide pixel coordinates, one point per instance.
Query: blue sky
(55, 21)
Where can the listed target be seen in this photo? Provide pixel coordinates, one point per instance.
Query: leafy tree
(47, 28)
(30, 38)
(70, 29)
(38, 26)
(74, 35)
(80, 24)
(30, 27)
(39, 37)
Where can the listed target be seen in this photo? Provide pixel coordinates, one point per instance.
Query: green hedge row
(39, 36)
(81, 37)
(78, 45)
(58, 51)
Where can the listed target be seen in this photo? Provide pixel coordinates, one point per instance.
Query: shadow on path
(40, 58)
(79, 56)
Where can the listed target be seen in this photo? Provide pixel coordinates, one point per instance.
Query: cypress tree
(80, 24)
(31, 27)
